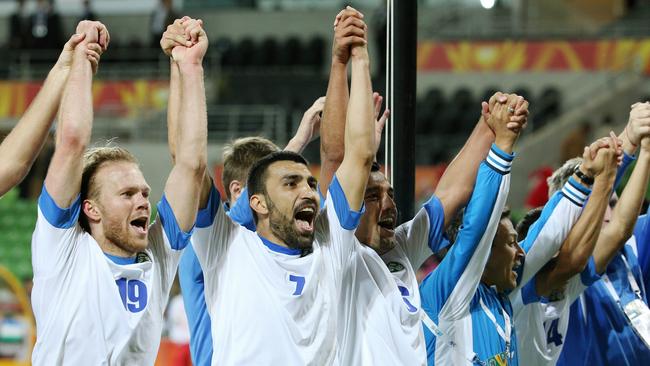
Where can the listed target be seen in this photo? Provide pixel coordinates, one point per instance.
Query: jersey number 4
(552, 335)
(133, 293)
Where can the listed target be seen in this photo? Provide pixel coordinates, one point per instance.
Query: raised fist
(638, 125)
(175, 36)
(518, 118)
(349, 30)
(93, 50)
(499, 121)
(95, 32)
(193, 30)
(602, 157)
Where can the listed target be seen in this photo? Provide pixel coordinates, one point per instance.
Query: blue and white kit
(92, 309)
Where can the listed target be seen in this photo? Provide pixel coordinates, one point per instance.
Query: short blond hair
(240, 155)
(94, 158)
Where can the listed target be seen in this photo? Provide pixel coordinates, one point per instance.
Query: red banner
(516, 56)
(111, 98)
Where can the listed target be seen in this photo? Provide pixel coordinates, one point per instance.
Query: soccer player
(380, 309)
(102, 274)
(19, 149)
(277, 288)
(467, 317)
(238, 157)
(542, 307)
(600, 329)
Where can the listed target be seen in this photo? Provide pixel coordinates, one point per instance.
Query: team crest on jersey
(142, 257)
(395, 267)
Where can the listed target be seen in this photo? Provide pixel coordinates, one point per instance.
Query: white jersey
(541, 324)
(379, 312)
(90, 310)
(271, 305)
(546, 235)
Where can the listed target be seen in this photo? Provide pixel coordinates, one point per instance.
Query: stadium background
(580, 63)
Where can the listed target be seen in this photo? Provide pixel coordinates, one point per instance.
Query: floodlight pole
(402, 118)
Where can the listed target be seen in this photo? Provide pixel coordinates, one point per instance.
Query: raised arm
(449, 289)
(23, 144)
(63, 178)
(191, 133)
(309, 128)
(614, 235)
(349, 30)
(359, 131)
(579, 245)
(456, 184)
(638, 126)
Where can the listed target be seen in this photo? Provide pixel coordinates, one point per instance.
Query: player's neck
(264, 230)
(488, 281)
(110, 248)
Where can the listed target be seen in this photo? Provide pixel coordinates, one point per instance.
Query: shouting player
(238, 157)
(102, 274)
(277, 288)
(380, 307)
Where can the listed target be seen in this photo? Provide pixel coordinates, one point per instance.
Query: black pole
(403, 114)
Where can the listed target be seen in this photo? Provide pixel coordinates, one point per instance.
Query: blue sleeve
(627, 160)
(546, 235)
(61, 218)
(436, 215)
(529, 292)
(348, 218)
(206, 215)
(241, 211)
(178, 239)
(537, 226)
(573, 191)
(589, 275)
(437, 288)
(642, 237)
(190, 277)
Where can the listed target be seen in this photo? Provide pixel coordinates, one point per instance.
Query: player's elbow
(364, 156)
(332, 152)
(194, 166)
(72, 140)
(620, 230)
(362, 149)
(575, 265)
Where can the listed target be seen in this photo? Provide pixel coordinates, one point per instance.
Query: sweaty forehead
(378, 180)
(116, 175)
(283, 168)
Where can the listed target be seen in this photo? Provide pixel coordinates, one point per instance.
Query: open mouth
(387, 225)
(304, 217)
(515, 269)
(140, 225)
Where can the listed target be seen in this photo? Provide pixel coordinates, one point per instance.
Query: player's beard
(386, 245)
(119, 237)
(284, 228)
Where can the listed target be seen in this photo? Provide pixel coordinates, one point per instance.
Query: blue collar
(121, 260)
(278, 248)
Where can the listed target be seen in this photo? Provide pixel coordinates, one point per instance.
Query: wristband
(583, 177)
